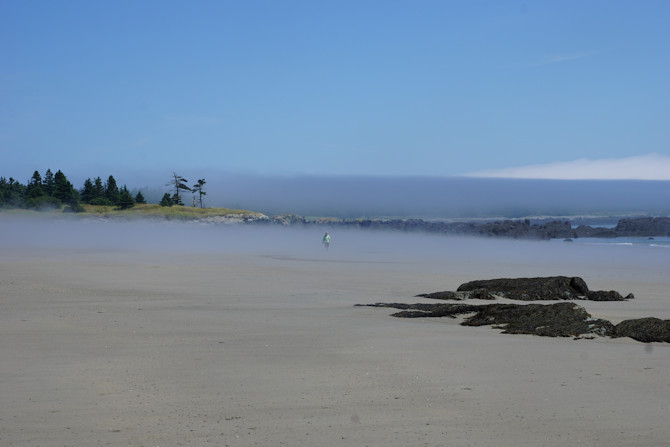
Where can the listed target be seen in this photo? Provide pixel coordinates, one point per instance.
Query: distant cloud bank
(642, 167)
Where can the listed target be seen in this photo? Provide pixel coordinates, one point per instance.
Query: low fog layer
(129, 242)
(434, 197)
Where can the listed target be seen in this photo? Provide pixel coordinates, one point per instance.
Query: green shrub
(101, 201)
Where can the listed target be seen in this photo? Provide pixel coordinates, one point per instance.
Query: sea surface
(652, 242)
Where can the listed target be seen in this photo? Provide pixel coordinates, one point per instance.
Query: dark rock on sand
(552, 320)
(475, 294)
(421, 310)
(607, 295)
(549, 320)
(644, 329)
(532, 289)
(544, 288)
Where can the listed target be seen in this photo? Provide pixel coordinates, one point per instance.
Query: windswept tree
(199, 190)
(179, 184)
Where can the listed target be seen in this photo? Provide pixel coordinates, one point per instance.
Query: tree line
(55, 191)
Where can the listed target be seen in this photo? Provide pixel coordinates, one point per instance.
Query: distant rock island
(519, 229)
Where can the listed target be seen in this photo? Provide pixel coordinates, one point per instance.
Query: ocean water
(652, 242)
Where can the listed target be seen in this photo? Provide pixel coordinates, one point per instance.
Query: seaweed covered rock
(550, 320)
(476, 294)
(644, 329)
(543, 288)
(532, 289)
(607, 295)
(423, 310)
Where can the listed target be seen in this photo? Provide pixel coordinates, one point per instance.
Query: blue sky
(421, 88)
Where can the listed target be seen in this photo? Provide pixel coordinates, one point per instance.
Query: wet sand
(255, 340)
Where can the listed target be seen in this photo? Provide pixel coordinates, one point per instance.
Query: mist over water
(179, 243)
(434, 197)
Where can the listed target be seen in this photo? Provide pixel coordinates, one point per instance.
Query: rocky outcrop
(531, 289)
(475, 294)
(552, 320)
(543, 288)
(644, 227)
(644, 329)
(239, 218)
(547, 320)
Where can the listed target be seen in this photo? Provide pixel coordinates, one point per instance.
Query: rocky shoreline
(515, 229)
(518, 229)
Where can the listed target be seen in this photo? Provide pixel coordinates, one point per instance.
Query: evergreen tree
(112, 191)
(48, 183)
(12, 193)
(35, 188)
(125, 199)
(65, 192)
(199, 189)
(36, 196)
(139, 198)
(166, 200)
(63, 189)
(87, 192)
(98, 188)
(179, 184)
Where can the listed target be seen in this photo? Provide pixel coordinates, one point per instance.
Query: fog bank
(437, 197)
(130, 242)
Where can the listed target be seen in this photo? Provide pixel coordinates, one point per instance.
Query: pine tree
(87, 192)
(35, 188)
(166, 200)
(48, 183)
(12, 193)
(139, 198)
(125, 199)
(112, 191)
(63, 190)
(98, 188)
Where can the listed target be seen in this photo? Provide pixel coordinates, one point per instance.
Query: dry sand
(133, 337)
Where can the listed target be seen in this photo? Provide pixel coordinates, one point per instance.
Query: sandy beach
(177, 335)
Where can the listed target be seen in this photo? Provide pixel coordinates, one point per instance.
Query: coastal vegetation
(55, 193)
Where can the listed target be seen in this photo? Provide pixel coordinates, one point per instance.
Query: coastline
(545, 227)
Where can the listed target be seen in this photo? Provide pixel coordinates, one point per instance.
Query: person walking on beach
(326, 240)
